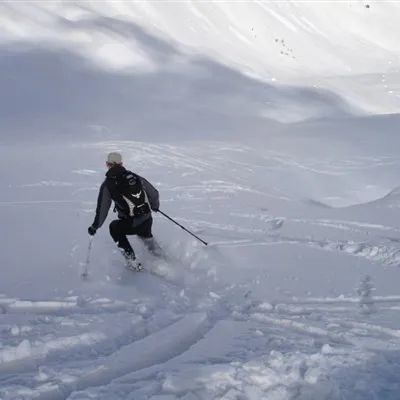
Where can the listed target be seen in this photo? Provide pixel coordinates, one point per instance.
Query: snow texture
(271, 131)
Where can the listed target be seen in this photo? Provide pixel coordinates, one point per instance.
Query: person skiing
(134, 198)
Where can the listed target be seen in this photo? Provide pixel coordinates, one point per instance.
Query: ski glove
(92, 230)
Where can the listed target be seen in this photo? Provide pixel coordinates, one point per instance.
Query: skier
(134, 198)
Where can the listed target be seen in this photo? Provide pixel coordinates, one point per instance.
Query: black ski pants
(122, 227)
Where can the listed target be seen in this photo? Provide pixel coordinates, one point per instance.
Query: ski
(134, 266)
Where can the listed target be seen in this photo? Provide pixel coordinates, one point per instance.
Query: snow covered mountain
(271, 131)
(293, 38)
(212, 65)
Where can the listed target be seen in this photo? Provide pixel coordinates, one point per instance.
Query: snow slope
(268, 310)
(204, 67)
(349, 47)
(295, 187)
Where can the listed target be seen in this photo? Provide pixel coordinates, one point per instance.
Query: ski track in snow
(154, 349)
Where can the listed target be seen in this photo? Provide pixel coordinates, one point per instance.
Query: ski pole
(190, 233)
(85, 272)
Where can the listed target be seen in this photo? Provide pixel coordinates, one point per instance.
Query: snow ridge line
(153, 349)
(61, 307)
(383, 254)
(395, 333)
(302, 328)
(341, 300)
(26, 356)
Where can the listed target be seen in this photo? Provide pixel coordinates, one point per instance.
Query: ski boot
(153, 247)
(131, 263)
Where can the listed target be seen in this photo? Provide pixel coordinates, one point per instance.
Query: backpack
(130, 197)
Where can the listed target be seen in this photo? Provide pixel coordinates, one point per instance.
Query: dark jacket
(107, 194)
